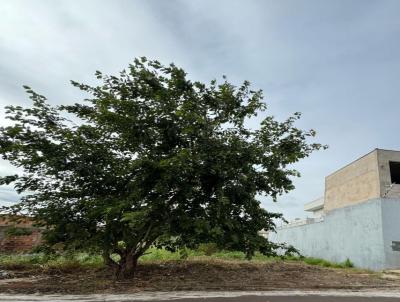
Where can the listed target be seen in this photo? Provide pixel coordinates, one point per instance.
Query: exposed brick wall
(22, 243)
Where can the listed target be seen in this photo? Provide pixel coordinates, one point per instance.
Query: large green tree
(152, 158)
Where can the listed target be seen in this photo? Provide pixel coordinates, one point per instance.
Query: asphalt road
(290, 299)
(219, 297)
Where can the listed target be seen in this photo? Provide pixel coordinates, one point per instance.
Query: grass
(163, 255)
(325, 263)
(87, 261)
(187, 254)
(42, 261)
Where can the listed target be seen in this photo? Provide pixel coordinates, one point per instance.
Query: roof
(315, 205)
(360, 157)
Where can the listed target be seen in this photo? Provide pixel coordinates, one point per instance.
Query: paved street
(291, 299)
(278, 296)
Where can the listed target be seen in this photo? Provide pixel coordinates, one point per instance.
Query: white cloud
(337, 62)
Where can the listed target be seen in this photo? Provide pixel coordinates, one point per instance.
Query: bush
(208, 249)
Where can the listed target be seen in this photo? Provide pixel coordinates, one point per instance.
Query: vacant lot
(162, 272)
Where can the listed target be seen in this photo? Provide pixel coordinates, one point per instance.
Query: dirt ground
(197, 276)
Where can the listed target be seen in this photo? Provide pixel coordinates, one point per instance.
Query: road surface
(277, 296)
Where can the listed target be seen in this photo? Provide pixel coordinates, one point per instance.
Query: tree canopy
(152, 158)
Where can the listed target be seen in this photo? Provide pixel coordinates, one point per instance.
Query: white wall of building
(391, 231)
(362, 233)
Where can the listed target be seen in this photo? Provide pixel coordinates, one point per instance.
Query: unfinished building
(358, 218)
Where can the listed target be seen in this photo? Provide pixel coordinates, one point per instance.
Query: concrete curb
(151, 296)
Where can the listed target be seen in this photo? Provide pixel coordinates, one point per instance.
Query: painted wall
(391, 231)
(362, 233)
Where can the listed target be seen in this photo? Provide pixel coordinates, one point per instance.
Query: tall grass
(40, 260)
(325, 263)
(85, 260)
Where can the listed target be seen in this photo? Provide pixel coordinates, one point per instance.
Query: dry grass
(193, 274)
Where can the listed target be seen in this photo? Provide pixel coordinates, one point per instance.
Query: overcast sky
(337, 62)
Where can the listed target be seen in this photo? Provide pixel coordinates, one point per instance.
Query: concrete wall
(364, 179)
(384, 156)
(354, 183)
(391, 231)
(363, 233)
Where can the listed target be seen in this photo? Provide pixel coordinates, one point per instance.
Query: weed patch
(325, 263)
(70, 262)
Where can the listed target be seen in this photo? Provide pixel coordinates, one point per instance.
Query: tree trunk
(127, 267)
(110, 262)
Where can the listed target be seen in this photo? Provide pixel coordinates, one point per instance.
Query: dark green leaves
(152, 158)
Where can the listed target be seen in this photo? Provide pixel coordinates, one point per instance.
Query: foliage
(208, 248)
(152, 158)
(17, 231)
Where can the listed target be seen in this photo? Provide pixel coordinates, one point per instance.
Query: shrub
(208, 249)
(348, 263)
(15, 231)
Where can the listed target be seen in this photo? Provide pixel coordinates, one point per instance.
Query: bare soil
(197, 276)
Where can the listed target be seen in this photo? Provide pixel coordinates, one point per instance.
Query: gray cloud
(337, 62)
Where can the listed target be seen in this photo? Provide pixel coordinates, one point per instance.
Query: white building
(358, 218)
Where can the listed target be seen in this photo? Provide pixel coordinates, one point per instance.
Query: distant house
(316, 207)
(17, 234)
(357, 218)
